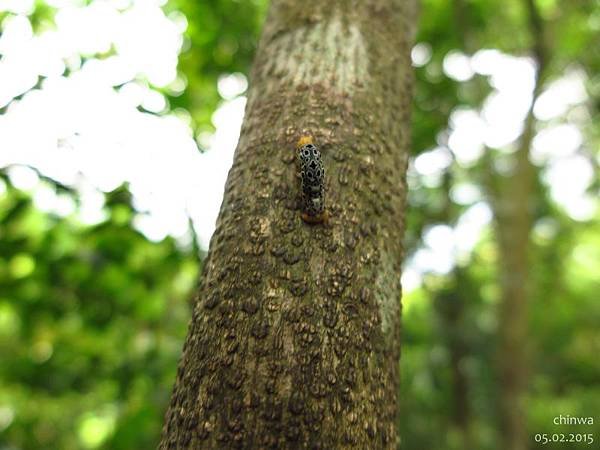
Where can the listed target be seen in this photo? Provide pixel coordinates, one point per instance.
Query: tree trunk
(513, 211)
(513, 223)
(294, 339)
(452, 314)
(451, 308)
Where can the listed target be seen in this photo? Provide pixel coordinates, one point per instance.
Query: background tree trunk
(513, 224)
(513, 212)
(294, 340)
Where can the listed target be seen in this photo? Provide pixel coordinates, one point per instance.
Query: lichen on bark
(294, 339)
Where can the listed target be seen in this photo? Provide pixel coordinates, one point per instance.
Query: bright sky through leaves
(84, 127)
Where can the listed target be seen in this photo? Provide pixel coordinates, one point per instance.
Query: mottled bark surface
(294, 340)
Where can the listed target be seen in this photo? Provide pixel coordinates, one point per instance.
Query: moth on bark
(312, 181)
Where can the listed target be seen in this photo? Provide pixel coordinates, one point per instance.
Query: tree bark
(294, 340)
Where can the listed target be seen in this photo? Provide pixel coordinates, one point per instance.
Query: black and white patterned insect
(312, 176)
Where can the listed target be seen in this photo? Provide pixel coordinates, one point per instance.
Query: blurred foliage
(454, 316)
(461, 306)
(221, 38)
(92, 318)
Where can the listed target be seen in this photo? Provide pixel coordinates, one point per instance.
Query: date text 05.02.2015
(547, 438)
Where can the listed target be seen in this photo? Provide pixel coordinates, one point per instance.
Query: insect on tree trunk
(294, 339)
